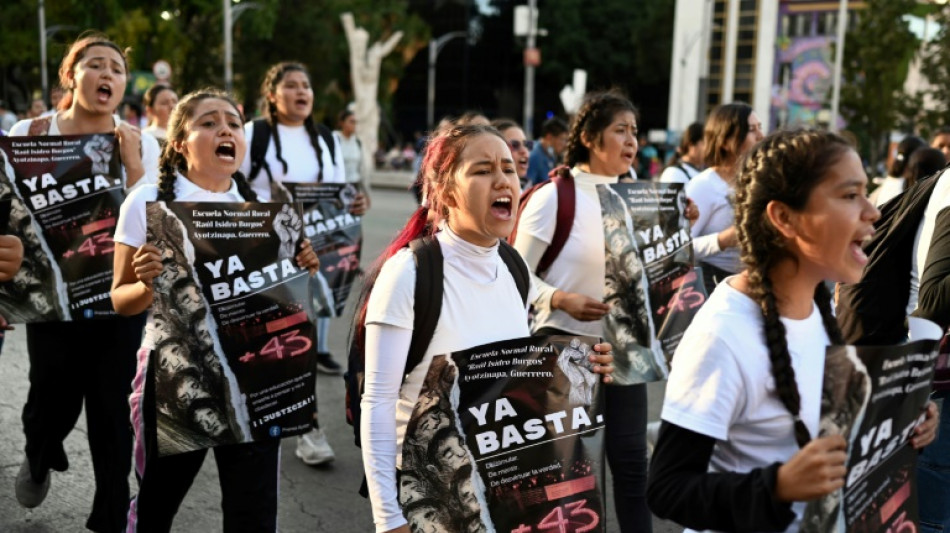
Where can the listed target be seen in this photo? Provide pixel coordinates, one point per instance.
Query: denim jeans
(933, 477)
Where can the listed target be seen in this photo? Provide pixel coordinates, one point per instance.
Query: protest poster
(650, 283)
(508, 436)
(64, 193)
(235, 355)
(874, 396)
(336, 237)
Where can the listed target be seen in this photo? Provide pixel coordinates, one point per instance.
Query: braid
(244, 187)
(272, 120)
(823, 300)
(166, 183)
(315, 141)
(782, 371)
(576, 151)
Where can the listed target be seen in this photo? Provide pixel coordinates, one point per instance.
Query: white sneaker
(313, 448)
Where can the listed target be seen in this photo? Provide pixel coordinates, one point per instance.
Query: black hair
(905, 149)
(785, 167)
(924, 162)
(692, 135)
(554, 126)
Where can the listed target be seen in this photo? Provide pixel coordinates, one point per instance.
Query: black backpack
(427, 306)
(260, 139)
(873, 311)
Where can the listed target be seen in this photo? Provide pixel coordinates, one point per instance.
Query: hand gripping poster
(874, 396)
(507, 437)
(336, 237)
(234, 357)
(650, 283)
(65, 193)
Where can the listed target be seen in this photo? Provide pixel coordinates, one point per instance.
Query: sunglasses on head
(516, 144)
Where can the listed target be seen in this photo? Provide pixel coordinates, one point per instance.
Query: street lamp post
(231, 15)
(435, 46)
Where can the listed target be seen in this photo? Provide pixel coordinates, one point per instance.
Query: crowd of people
(775, 219)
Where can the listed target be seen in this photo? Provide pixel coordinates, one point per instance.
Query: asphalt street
(312, 499)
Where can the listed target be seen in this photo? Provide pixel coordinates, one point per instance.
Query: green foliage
(935, 66)
(877, 55)
(191, 40)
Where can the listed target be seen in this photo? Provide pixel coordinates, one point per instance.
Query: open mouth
(857, 249)
(523, 164)
(104, 93)
(225, 151)
(501, 208)
(301, 102)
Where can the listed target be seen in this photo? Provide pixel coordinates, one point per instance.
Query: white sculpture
(572, 95)
(364, 71)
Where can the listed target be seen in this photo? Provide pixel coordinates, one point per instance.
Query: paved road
(311, 499)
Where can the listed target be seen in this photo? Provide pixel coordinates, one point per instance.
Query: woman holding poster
(738, 448)
(602, 145)
(199, 164)
(470, 189)
(297, 151)
(62, 377)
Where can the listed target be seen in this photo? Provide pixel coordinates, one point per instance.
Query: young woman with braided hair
(601, 146)
(737, 448)
(199, 164)
(298, 152)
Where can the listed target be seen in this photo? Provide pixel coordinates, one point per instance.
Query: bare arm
(133, 272)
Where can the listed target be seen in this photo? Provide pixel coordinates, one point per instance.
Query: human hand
(130, 145)
(602, 361)
(926, 431)
(579, 306)
(4, 326)
(147, 263)
(728, 238)
(360, 204)
(814, 471)
(692, 211)
(307, 258)
(11, 256)
(401, 529)
(287, 226)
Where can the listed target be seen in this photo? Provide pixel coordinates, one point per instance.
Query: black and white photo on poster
(875, 396)
(507, 436)
(336, 237)
(65, 192)
(234, 358)
(650, 284)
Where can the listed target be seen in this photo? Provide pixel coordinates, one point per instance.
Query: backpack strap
(259, 140)
(517, 267)
(427, 305)
(40, 126)
(566, 204)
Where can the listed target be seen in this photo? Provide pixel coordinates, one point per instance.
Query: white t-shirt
(675, 173)
(150, 148)
(888, 189)
(155, 131)
(714, 197)
(131, 226)
(580, 265)
(352, 156)
(480, 304)
(939, 199)
(721, 383)
(297, 150)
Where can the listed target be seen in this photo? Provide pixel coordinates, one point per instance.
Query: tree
(877, 55)
(935, 66)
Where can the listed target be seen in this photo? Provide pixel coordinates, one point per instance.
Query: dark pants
(248, 474)
(73, 362)
(626, 442)
(712, 276)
